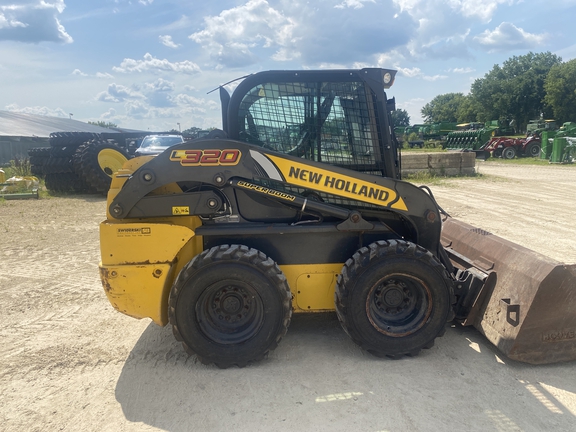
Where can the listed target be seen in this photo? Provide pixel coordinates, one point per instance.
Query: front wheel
(533, 150)
(230, 306)
(508, 153)
(394, 298)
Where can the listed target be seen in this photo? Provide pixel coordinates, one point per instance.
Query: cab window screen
(328, 122)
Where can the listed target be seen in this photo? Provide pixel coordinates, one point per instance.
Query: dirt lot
(68, 361)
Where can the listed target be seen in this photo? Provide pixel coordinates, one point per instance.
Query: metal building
(20, 132)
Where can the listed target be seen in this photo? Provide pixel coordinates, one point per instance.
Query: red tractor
(509, 148)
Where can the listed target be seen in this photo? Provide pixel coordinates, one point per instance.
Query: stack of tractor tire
(77, 162)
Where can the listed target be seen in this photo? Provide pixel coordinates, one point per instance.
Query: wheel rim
(534, 151)
(399, 305)
(110, 161)
(230, 312)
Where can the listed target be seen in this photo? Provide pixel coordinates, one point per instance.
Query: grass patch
(425, 177)
(423, 150)
(522, 161)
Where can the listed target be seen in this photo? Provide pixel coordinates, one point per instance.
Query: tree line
(523, 88)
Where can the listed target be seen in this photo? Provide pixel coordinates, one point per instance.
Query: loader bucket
(527, 306)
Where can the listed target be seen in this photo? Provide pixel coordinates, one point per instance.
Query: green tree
(104, 124)
(400, 118)
(560, 89)
(443, 108)
(515, 90)
(195, 132)
(334, 126)
(467, 110)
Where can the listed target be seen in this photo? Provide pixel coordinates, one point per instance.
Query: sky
(150, 64)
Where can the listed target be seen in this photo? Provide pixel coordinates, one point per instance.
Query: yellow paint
(312, 286)
(134, 243)
(110, 161)
(181, 210)
(120, 177)
(140, 262)
(305, 175)
(138, 290)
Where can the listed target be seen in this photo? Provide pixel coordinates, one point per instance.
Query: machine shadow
(162, 386)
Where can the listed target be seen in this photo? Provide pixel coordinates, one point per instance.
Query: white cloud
(160, 85)
(185, 108)
(434, 77)
(231, 36)
(355, 4)
(103, 75)
(117, 93)
(151, 64)
(78, 72)
(314, 33)
(386, 60)
(33, 21)
(507, 36)
(184, 100)
(443, 26)
(483, 10)
(38, 110)
(167, 41)
(111, 113)
(409, 72)
(416, 72)
(136, 109)
(465, 70)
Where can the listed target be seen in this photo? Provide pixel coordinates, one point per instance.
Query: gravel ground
(69, 361)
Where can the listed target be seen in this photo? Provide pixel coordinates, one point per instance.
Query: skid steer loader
(297, 205)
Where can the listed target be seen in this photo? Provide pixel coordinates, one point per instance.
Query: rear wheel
(394, 298)
(508, 153)
(230, 306)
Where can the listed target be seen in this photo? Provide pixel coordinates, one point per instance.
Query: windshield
(160, 141)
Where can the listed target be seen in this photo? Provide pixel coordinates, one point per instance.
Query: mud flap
(527, 305)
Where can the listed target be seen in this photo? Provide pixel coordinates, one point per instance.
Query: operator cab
(333, 116)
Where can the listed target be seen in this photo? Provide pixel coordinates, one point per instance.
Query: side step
(527, 306)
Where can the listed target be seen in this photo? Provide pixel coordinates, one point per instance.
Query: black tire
(57, 165)
(64, 144)
(65, 182)
(230, 306)
(508, 153)
(394, 298)
(38, 158)
(533, 150)
(95, 170)
(497, 153)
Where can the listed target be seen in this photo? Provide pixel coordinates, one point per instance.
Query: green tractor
(559, 146)
(473, 136)
(536, 127)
